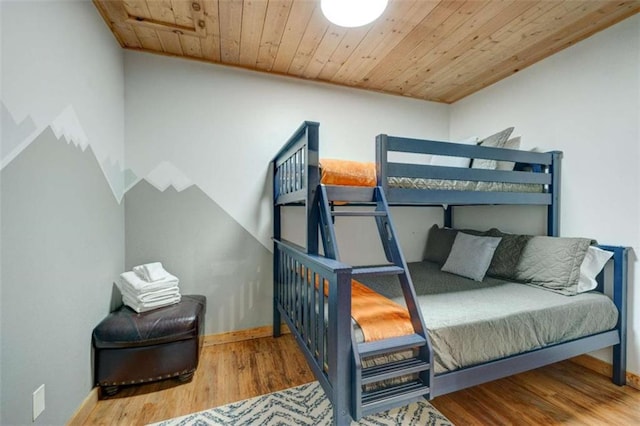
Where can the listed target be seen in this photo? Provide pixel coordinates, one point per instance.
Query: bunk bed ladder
(416, 368)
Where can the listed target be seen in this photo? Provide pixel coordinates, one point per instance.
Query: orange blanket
(348, 173)
(378, 317)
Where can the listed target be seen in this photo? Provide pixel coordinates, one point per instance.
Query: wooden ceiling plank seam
(313, 35)
(253, 15)
(137, 9)
(190, 45)
(210, 44)
(529, 34)
(385, 29)
(148, 38)
(108, 21)
(299, 16)
(230, 16)
(182, 12)
(351, 40)
(459, 19)
(328, 45)
(161, 11)
(450, 54)
(274, 26)
(479, 55)
(395, 61)
(565, 37)
(170, 42)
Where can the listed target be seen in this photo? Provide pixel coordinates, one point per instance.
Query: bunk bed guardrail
(321, 324)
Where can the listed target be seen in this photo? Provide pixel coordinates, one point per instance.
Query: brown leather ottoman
(132, 348)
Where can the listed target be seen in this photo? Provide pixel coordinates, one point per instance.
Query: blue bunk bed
(320, 316)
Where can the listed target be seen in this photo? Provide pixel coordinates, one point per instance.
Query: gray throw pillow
(471, 255)
(553, 263)
(439, 243)
(507, 256)
(497, 140)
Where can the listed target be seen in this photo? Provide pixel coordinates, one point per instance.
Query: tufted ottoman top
(126, 328)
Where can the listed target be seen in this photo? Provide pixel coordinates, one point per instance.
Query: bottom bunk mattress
(472, 322)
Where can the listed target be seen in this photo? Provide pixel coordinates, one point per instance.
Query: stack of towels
(148, 287)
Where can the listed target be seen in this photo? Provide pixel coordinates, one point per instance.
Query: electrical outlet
(38, 402)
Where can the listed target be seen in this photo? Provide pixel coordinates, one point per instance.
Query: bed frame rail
(304, 307)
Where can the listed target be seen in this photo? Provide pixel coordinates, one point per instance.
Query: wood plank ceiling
(436, 50)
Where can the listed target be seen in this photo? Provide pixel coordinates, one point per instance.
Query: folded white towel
(151, 271)
(140, 307)
(151, 296)
(131, 282)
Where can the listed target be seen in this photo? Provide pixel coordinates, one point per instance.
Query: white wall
(220, 127)
(584, 101)
(63, 92)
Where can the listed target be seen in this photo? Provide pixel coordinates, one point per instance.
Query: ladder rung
(395, 396)
(392, 344)
(393, 369)
(358, 213)
(360, 271)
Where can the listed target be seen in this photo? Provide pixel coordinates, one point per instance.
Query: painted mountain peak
(14, 133)
(166, 174)
(68, 125)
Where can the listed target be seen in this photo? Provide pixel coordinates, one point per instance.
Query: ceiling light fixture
(352, 13)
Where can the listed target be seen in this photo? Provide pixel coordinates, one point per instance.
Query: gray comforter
(471, 322)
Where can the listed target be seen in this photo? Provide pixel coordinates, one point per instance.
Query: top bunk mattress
(356, 173)
(473, 322)
(461, 185)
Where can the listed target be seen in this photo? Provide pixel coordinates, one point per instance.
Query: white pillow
(471, 255)
(593, 262)
(513, 143)
(448, 161)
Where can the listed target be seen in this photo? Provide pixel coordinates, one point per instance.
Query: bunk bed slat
(355, 194)
(394, 343)
(360, 271)
(452, 197)
(389, 398)
(458, 173)
(418, 146)
(393, 369)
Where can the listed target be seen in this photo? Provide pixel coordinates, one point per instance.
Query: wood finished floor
(560, 394)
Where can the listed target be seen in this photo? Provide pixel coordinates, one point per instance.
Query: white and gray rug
(303, 405)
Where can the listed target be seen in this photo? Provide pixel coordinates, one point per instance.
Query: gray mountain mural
(115, 176)
(62, 239)
(13, 134)
(207, 249)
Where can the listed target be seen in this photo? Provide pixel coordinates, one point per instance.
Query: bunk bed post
(553, 210)
(448, 216)
(620, 255)
(277, 234)
(313, 181)
(381, 162)
(339, 348)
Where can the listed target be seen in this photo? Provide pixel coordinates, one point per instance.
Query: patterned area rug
(303, 405)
